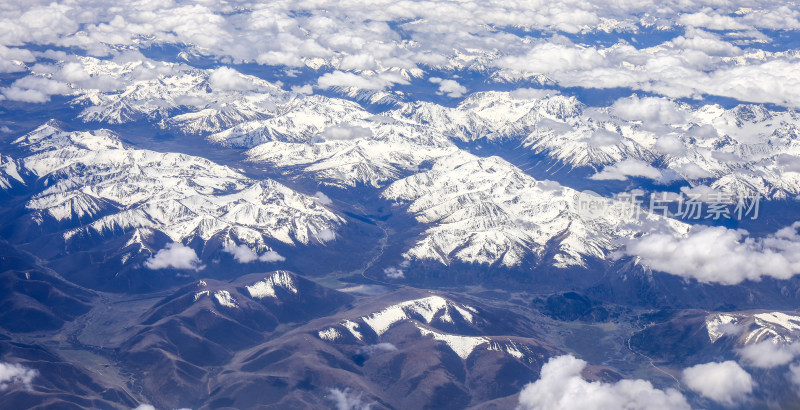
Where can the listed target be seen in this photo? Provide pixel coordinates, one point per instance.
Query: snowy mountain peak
(51, 136)
(779, 327)
(266, 288)
(426, 309)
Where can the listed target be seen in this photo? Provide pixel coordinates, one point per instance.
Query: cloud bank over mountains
(377, 45)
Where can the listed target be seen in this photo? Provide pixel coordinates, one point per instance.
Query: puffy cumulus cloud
(721, 255)
(670, 145)
(376, 44)
(397, 272)
(322, 198)
(708, 18)
(725, 382)
(604, 138)
(30, 22)
(13, 59)
(548, 58)
(341, 79)
(394, 273)
(345, 399)
(226, 78)
(708, 43)
(145, 407)
(788, 163)
(326, 235)
(450, 88)
(345, 132)
(271, 256)
(175, 256)
(243, 254)
(34, 89)
(691, 170)
(561, 387)
(72, 72)
(15, 373)
(628, 168)
(774, 81)
(532, 93)
(648, 110)
(693, 65)
(768, 354)
(303, 89)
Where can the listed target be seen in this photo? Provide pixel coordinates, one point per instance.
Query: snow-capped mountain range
(97, 185)
(752, 328)
(745, 150)
(477, 210)
(428, 314)
(487, 211)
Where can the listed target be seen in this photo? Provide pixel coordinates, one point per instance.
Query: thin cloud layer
(561, 387)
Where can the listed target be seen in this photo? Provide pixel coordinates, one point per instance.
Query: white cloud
(648, 110)
(707, 19)
(671, 145)
(346, 400)
(547, 58)
(286, 58)
(145, 407)
(450, 88)
(364, 82)
(379, 347)
(326, 235)
(628, 168)
(394, 273)
(271, 256)
(226, 78)
(306, 89)
(602, 137)
(176, 256)
(243, 254)
(385, 43)
(561, 387)
(724, 382)
(13, 60)
(768, 354)
(322, 198)
(794, 373)
(788, 163)
(532, 93)
(691, 170)
(34, 89)
(721, 255)
(13, 373)
(345, 132)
